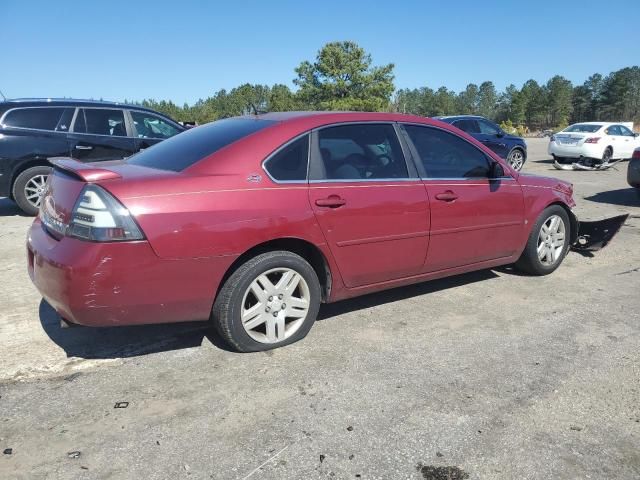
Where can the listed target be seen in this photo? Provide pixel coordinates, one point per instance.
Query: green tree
(468, 100)
(559, 100)
(343, 78)
(487, 99)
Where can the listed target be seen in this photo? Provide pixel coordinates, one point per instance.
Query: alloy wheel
(516, 159)
(551, 240)
(275, 305)
(34, 189)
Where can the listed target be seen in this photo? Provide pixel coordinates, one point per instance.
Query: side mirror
(636, 134)
(496, 170)
(500, 134)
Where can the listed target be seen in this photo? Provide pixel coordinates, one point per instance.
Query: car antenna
(5, 98)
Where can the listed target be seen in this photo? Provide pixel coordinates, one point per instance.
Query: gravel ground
(485, 375)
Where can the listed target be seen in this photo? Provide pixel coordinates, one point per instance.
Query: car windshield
(583, 128)
(187, 148)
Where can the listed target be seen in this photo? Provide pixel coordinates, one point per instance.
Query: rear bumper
(125, 283)
(572, 151)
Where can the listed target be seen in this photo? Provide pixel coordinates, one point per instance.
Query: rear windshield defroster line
(187, 148)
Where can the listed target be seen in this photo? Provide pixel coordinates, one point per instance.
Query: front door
(492, 137)
(100, 134)
(473, 218)
(374, 216)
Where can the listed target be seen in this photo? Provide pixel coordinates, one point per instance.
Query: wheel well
(306, 250)
(573, 220)
(36, 162)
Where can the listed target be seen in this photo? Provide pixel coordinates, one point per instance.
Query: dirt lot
(485, 375)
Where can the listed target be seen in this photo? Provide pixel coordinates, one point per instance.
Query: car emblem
(254, 178)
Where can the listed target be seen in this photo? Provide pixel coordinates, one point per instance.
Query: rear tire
(270, 301)
(606, 156)
(28, 188)
(548, 242)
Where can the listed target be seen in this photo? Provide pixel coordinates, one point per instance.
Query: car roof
(70, 102)
(328, 117)
(461, 117)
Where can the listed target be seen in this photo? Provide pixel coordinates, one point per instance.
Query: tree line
(343, 77)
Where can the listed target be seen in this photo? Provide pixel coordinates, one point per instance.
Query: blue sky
(185, 50)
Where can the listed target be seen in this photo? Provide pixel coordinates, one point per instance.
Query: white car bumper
(589, 150)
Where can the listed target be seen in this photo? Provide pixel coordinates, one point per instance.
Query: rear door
(372, 208)
(473, 218)
(149, 129)
(100, 134)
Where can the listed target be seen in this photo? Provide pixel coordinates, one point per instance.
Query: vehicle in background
(633, 171)
(252, 222)
(592, 145)
(34, 131)
(510, 147)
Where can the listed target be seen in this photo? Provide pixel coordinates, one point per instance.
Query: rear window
(583, 128)
(187, 148)
(39, 118)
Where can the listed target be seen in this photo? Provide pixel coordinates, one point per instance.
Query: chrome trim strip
(367, 180)
(282, 147)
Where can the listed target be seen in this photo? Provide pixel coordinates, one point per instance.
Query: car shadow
(124, 342)
(626, 197)
(544, 160)
(401, 293)
(9, 209)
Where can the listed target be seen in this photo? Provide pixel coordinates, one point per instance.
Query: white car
(599, 141)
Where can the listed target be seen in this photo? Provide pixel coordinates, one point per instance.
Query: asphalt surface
(490, 375)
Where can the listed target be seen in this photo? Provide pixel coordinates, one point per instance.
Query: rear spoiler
(84, 171)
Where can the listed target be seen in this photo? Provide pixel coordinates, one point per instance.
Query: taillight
(636, 153)
(592, 140)
(99, 217)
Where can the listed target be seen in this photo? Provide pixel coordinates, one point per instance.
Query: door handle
(84, 147)
(332, 201)
(447, 196)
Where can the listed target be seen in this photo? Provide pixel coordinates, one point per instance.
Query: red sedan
(252, 222)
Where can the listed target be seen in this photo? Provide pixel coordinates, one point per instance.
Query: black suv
(33, 131)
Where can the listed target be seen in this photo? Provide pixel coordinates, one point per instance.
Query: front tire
(548, 242)
(28, 189)
(270, 301)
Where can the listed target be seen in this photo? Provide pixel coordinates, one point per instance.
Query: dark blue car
(509, 147)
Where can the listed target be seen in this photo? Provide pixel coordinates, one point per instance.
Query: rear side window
(38, 118)
(182, 151)
(469, 126)
(290, 163)
(444, 155)
(100, 121)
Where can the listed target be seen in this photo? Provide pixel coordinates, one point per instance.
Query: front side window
(46, 118)
(290, 163)
(182, 151)
(361, 152)
(488, 128)
(148, 125)
(444, 155)
(625, 132)
(100, 121)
